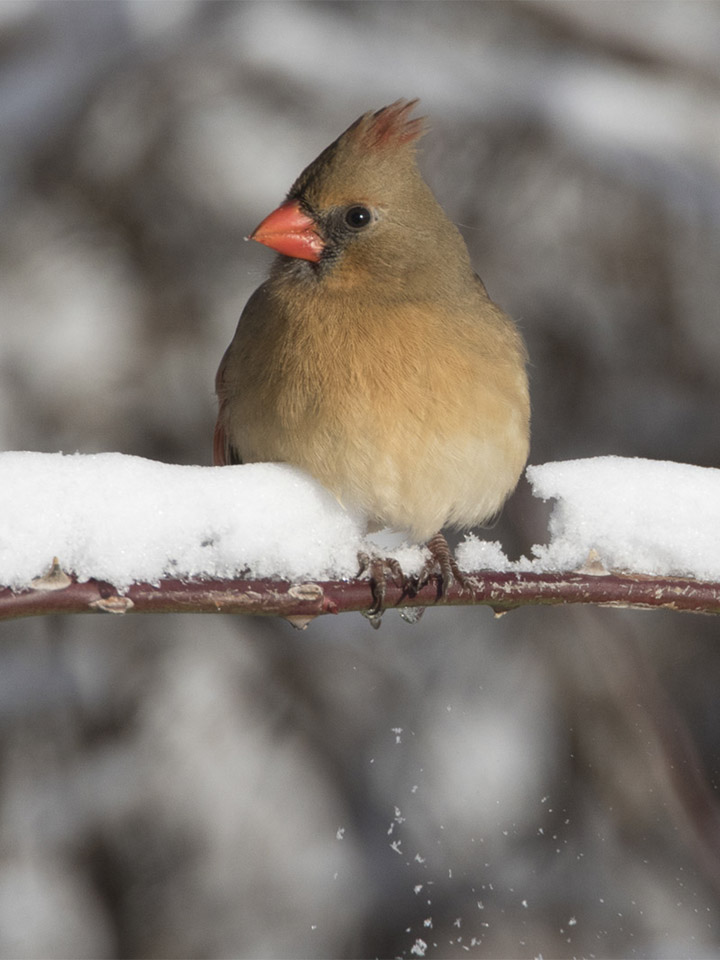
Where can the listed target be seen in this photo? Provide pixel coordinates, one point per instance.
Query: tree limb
(301, 602)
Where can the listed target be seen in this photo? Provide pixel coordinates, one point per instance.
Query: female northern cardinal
(373, 357)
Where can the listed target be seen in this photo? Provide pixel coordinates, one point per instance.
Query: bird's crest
(351, 159)
(387, 127)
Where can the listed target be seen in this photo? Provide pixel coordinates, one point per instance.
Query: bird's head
(361, 211)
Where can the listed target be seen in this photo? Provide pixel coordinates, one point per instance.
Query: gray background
(215, 786)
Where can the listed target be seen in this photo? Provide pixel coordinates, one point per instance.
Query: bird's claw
(379, 570)
(442, 561)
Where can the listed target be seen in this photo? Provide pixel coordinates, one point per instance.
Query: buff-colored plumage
(373, 357)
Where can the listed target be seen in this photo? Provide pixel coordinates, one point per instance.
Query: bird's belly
(460, 481)
(404, 464)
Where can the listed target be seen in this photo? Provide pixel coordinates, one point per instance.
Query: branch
(302, 602)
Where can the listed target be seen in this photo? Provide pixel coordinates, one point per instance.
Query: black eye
(358, 217)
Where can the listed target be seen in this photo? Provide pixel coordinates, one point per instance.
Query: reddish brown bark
(300, 602)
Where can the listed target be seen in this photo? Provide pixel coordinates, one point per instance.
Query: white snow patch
(476, 554)
(648, 516)
(623, 514)
(124, 519)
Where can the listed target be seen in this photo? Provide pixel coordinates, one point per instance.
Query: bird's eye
(358, 217)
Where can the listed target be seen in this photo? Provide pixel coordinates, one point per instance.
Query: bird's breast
(392, 409)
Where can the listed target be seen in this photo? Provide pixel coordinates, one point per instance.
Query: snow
(123, 519)
(624, 514)
(650, 516)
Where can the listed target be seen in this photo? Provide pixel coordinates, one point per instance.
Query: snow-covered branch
(128, 534)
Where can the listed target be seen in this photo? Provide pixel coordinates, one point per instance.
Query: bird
(372, 357)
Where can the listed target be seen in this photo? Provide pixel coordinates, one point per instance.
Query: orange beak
(291, 232)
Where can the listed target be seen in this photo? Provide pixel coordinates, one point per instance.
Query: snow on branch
(132, 535)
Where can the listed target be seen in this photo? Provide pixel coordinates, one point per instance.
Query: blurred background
(187, 786)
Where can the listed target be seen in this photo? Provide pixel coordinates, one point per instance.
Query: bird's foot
(379, 570)
(441, 561)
